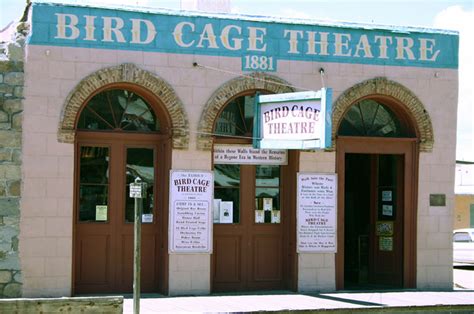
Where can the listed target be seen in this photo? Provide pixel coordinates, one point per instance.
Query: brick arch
(407, 100)
(227, 91)
(125, 73)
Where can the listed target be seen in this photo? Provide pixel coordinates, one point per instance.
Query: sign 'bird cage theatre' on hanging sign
(300, 120)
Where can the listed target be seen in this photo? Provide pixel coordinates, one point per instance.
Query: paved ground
(463, 277)
(287, 301)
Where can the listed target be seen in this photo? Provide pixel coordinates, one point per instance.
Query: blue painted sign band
(260, 44)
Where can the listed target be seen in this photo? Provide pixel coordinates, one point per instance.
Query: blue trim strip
(328, 122)
(232, 38)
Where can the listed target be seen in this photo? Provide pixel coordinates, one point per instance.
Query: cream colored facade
(52, 73)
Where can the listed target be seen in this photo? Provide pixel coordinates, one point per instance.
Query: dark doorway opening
(373, 229)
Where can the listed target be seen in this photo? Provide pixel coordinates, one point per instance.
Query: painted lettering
(178, 34)
(383, 45)
(341, 42)
(136, 31)
(90, 28)
(209, 36)
(363, 45)
(115, 29)
(427, 46)
(256, 39)
(293, 40)
(225, 37)
(404, 45)
(67, 22)
(323, 43)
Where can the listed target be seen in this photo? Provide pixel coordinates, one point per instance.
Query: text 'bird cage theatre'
(278, 154)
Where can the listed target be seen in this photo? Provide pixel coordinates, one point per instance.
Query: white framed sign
(191, 201)
(300, 120)
(316, 213)
(247, 155)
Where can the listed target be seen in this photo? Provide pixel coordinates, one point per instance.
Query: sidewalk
(341, 302)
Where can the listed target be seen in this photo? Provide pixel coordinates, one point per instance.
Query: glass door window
(93, 184)
(226, 194)
(140, 164)
(267, 194)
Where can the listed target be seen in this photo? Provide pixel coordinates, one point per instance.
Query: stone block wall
(11, 108)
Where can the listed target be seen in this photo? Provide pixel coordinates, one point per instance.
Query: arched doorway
(253, 247)
(122, 132)
(377, 166)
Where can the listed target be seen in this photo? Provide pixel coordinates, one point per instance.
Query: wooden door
(251, 250)
(397, 266)
(103, 254)
(386, 221)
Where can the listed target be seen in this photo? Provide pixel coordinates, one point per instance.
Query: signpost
(138, 192)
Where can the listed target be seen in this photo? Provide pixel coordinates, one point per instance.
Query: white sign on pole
(316, 217)
(191, 200)
(247, 155)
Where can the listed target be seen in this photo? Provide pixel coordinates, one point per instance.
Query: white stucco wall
(51, 73)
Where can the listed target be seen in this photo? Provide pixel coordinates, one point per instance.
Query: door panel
(248, 250)
(227, 264)
(387, 210)
(106, 164)
(94, 255)
(148, 260)
(267, 261)
(402, 258)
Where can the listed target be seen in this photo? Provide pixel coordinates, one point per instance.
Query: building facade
(464, 195)
(111, 94)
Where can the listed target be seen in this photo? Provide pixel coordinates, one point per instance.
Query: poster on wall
(316, 213)
(191, 203)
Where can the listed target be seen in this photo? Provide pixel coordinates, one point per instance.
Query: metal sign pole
(137, 255)
(137, 191)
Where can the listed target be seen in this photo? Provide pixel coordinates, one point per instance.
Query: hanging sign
(191, 194)
(316, 216)
(299, 120)
(247, 155)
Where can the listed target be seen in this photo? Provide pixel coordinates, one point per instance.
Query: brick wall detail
(382, 86)
(125, 73)
(229, 90)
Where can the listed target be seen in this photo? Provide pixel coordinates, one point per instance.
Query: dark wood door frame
(288, 201)
(408, 147)
(162, 178)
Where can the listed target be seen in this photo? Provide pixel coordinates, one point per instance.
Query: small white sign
(386, 196)
(147, 218)
(387, 210)
(226, 212)
(316, 216)
(101, 212)
(246, 155)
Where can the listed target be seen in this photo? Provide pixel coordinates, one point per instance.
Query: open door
(376, 213)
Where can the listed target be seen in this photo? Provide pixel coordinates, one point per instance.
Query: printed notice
(316, 230)
(247, 155)
(191, 211)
